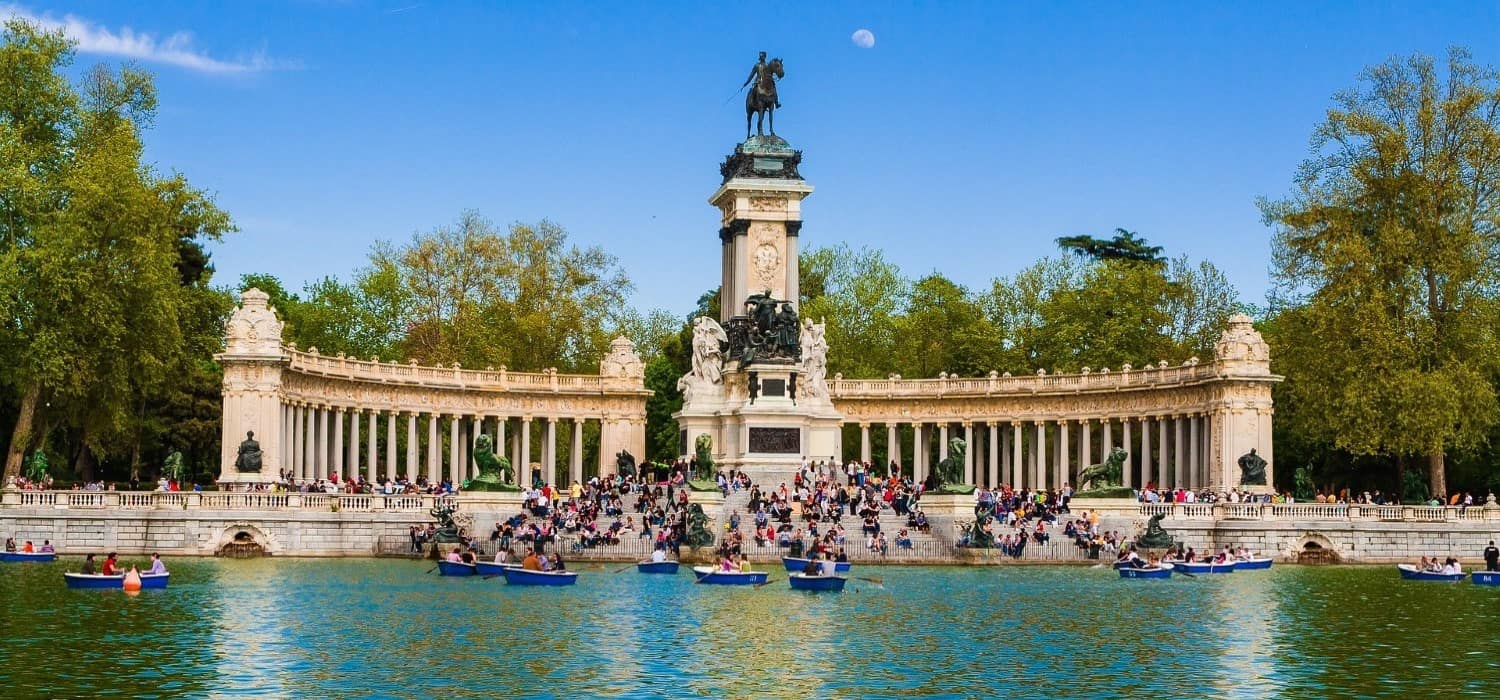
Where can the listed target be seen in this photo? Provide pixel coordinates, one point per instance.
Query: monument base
(765, 433)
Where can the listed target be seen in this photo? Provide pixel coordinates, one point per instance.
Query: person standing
(1491, 557)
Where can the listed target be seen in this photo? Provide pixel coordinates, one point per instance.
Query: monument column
(251, 392)
(353, 446)
(1195, 467)
(1109, 439)
(338, 442)
(549, 449)
(1177, 453)
(525, 449)
(1041, 455)
(373, 451)
(1015, 455)
(1147, 456)
(1130, 456)
(993, 445)
(453, 448)
(1085, 426)
(309, 469)
(893, 447)
(1062, 455)
(942, 441)
(413, 470)
(969, 446)
(575, 451)
(1161, 448)
(864, 442)
(390, 445)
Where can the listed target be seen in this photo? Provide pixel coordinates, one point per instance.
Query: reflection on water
(325, 628)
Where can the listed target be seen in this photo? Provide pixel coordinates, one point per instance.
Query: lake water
(386, 628)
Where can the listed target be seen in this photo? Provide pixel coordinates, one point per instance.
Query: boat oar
(762, 583)
(876, 581)
(623, 568)
(432, 569)
(702, 576)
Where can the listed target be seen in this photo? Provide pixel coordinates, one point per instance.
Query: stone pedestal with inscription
(769, 408)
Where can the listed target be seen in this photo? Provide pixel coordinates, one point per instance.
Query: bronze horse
(761, 99)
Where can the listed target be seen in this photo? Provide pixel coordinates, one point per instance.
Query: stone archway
(1313, 548)
(242, 541)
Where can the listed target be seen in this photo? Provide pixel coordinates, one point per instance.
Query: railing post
(10, 497)
(1179, 511)
(1218, 510)
(195, 500)
(294, 500)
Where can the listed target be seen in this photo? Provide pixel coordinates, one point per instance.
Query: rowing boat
(656, 567)
(40, 557)
(1486, 578)
(1204, 567)
(709, 574)
(804, 582)
(1158, 571)
(455, 568)
(797, 564)
(530, 577)
(114, 581)
(489, 568)
(1412, 573)
(1252, 563)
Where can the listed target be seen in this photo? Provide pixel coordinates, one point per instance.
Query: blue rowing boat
(1486, 578)
(795, 564)
(116, 581)
(709, 574)
(455, 568)
(489, 568)
(39, 557)
(528, 577)
(656, 567)
(1146, 572)
(803, 582)
(1252, 563)
(1412, 573)
(1203, 567)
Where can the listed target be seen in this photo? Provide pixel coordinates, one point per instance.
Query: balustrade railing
(218, 500)
(351, 368)
(1039, 383)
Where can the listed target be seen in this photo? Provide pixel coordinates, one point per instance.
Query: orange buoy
(132, 580)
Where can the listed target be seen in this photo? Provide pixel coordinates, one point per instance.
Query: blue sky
(964, 141)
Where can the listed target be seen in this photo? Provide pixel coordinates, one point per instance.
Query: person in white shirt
(501, 555)
(658, 555)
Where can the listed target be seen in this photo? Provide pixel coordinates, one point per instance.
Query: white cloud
(175, 50)
(863, 38)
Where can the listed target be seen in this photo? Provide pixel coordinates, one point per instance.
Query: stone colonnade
(1183, 426)
(317, 416)
(1049, 453)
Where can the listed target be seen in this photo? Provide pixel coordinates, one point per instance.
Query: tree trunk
(1437, 473)
(83, 466)
(20, 438)
(1400, 494)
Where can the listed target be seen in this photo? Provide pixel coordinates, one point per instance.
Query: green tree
(860, 296)
(1385, 255)
(92, 249)
(1125, 245)
(944, 330)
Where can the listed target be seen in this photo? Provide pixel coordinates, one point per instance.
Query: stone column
(993, 443)
(500, 444)
(453, 448)
(434, 450)
(1085, 427)
(969, 446)
(525, 447)
(1006, 471)
(919, 451)
(372, 452)
(864, 442)
(1041, 455)
(286, 436)
(1062, 456)
(338, 443)
(413, 467)
(294, 465)
(476, 427)
(1016, 465)
(1195, 467)
(390, 445)
(1161, 449)
(309, 449)
(353, 447)
(575, 451)
(1147, 460)
(893, 447)
(549, 449)
(1177, 453)
(1130, 456)
(942, 441)
(1109, 439)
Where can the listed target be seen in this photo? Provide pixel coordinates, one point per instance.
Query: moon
(863, 38)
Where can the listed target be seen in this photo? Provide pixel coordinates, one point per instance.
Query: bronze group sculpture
(1155, 536)
(698, 534)
(768, 330)
(948, 475)
(624, 463)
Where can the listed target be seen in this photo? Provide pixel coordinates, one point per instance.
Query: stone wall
(202, 533)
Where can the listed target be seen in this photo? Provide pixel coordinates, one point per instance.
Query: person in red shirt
(109, 566)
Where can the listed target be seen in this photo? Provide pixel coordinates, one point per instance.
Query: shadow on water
(326, 628)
